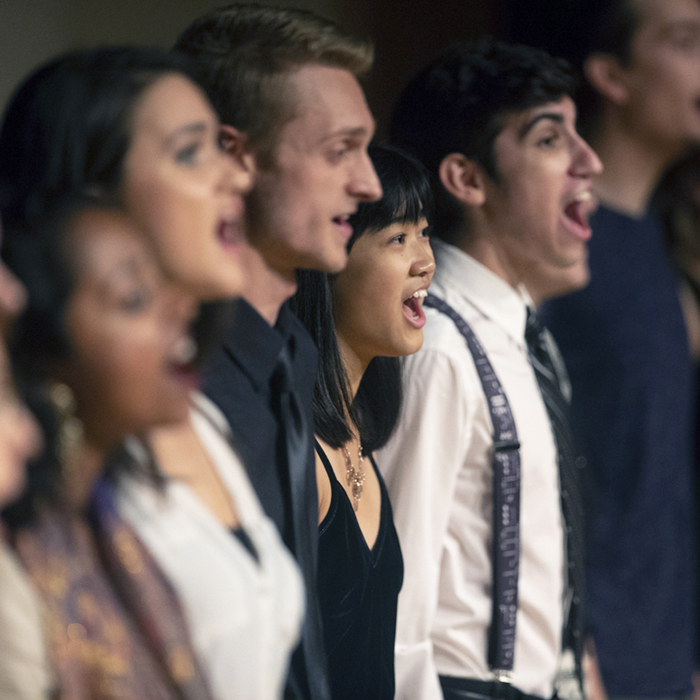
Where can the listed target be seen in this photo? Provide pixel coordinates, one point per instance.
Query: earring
(70, 428)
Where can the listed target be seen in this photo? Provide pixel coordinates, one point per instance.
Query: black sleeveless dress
(358, 590)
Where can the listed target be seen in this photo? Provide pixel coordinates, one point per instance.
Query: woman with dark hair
(132, 127)
(102, 351)
(363, 320)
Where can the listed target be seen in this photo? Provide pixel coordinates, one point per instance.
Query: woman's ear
(604, 72)
(463, 178)
(235, 144)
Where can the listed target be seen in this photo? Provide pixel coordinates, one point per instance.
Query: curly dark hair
(459, 103)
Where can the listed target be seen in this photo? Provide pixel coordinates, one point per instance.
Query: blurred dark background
(407, 33)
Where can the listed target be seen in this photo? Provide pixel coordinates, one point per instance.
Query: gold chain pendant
(355, 477)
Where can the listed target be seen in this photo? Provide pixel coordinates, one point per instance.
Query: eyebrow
(551, 116)
(352, 132)
(127, 268)
(195, 129)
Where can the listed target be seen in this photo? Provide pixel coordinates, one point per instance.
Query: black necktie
(570, 464)
(303, 521)
(296, 442)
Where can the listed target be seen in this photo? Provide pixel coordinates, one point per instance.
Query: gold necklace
(355, 477)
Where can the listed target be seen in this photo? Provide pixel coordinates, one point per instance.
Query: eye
(136, 300)
(685, 38)
(399, 238)
(549, 141)
(337, 154)
(187, 155)
(425, 233)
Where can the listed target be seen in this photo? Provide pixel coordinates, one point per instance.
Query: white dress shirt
(437, 467)
(244, 616)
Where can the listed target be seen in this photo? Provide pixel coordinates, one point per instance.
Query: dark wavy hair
(67, 128)
(459, 103)
(377, 404)
(41, 258)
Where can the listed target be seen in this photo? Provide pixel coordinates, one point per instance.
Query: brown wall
(407, 32)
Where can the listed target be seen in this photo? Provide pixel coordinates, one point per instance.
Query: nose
(12, 295)
(364, 184)
(424, 263)
(585, 161)
(29, 439)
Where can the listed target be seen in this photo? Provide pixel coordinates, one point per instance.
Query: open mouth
(229, 233)
(186, 374)
(343, 224)
(182, 363)
(413, 308)
(577, 213)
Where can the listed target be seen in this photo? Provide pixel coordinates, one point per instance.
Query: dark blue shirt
(626, 349)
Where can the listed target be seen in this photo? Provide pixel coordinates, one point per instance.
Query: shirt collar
(254, 344)
(483, 289)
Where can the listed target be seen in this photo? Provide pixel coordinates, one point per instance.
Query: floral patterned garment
(115, 630)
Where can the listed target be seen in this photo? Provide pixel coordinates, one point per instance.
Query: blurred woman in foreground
(132, 127)
(101, 351)
(24, 664)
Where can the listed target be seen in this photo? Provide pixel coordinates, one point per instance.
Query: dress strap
(325, 461)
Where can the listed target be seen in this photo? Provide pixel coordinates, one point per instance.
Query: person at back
(625, 343)
(495, 125)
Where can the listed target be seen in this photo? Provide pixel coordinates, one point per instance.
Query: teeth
(185, 350)
(420, 293)
(584, 196)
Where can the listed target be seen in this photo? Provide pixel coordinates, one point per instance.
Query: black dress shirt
(239, 378)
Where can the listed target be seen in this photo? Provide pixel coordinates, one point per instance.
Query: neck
(633, 163)
(354, 365)
(83, 473)
(266, 288)
(482, 245)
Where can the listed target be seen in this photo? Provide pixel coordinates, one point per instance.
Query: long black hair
(67, 128)
(377, 404)
(41, 258)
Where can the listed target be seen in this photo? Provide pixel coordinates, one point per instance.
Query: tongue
(228, 233)
(573, 211)
(413, 310)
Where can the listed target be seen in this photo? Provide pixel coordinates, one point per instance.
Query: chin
(12, 483)
(560, 286)
(332, 264)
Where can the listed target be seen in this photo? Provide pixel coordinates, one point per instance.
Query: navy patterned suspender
(506, 502)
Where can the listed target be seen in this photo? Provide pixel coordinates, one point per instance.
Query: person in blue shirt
(625, 342)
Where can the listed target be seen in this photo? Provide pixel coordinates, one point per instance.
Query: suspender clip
(506, 445)
(503, 676)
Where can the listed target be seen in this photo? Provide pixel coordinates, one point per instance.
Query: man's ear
(235, 144)
(463, 178)
(604, 72)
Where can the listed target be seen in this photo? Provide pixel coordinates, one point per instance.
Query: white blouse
(244, 615)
